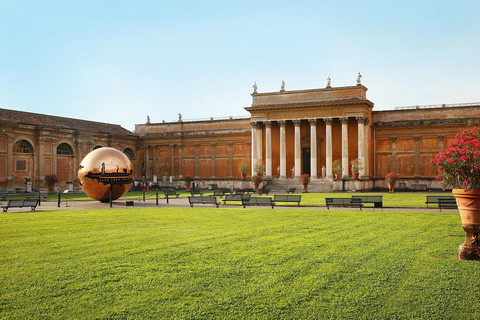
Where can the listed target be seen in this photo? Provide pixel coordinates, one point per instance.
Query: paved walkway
(183, 202)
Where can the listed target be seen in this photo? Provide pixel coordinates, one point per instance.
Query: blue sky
(119, 61)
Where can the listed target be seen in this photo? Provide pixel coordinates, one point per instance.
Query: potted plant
(51, 179)
(459, 168)
(256, 181)
(391, 178)
(259, 168)
(188, 181)
(356, 165)
(243, 169)
(337, 168)
(305, 180)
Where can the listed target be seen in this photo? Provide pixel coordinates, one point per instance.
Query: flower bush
(391, 177)
(188, 178)
(304, 178)
(459, 166)
(51, 178)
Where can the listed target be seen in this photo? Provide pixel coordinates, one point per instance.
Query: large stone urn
(468, 202)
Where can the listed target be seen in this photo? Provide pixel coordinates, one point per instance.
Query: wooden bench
(3, 196)
(170, 194)
(218, 193)
(376, 200)
(343, 202)
(21, 204)
(196, 193)
(287, 198)
(203, 200)
(435, 199)
(235, 197)
(447, 203)
(258, 201)
(291, 190)
(263, 191)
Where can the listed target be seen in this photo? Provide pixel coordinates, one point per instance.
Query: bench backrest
(15, 203)
(236, 197)
(170, 192)
(260, 200)
(30, 203)
(287, 197)
(369, 198)
(436, 198)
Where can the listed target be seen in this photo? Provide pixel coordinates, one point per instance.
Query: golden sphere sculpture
(104, 171)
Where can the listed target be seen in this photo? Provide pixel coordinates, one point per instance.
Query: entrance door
(306, 160)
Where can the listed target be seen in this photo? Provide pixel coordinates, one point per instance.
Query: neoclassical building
(289, 132)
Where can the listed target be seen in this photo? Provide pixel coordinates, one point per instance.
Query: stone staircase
(317, 185)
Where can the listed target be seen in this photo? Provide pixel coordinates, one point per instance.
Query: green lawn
(204, 263)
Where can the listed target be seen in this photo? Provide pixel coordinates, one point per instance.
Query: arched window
(64, 149)
(22, 146)
(129, 152)
(97, 147)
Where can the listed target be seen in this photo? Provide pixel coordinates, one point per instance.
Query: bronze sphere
(104, 171)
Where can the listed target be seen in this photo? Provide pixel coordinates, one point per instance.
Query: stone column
(268, 149)
(254, 145)
(180, 161)
(230, 159)
(172, 161)
(366, 166)
(416, 147)
(214, 158)
(147, 160)
(54, 155)
(298, 149)
(283, 150)
(361, 144)
(328, 148)
(441, 143)
(40, 163)
(154, 161)
(345, 163)
(393, 140)
(313, 149)
(259, 142)
(197, 160)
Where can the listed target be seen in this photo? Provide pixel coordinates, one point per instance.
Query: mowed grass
(208, 263)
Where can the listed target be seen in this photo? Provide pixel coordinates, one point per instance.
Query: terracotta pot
(260, 175)
(391, 187)
(188, 185)
(305, 187)
(50, 187)
(256, 185)
(355, 175)
(243, 176)
(337, 175)
(468, 202)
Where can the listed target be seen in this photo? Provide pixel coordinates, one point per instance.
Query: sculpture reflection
(105, 171)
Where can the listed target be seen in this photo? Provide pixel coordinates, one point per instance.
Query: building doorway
(306, 161)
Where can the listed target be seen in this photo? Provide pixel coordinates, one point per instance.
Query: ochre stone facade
(290, 132)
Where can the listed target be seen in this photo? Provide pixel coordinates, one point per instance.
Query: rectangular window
(21, 165)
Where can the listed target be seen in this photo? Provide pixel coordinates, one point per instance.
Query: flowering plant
(304, 178)
(459, 166)
(391, 177)
(51, 178)
(188, 178)
(257, 179)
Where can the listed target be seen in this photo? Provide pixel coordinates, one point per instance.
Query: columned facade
(337, 116)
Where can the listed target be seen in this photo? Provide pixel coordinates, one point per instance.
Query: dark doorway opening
(306, 161)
